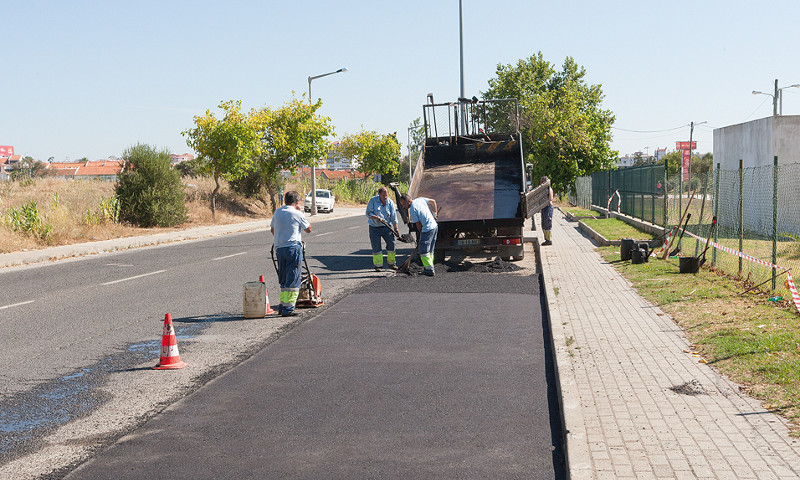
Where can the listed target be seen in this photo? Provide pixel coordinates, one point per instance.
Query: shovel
(708, 242)
(407, 263)
(678, 248)
(405, 238)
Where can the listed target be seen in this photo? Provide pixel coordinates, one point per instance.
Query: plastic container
(689, 264)
(625, 248)
(639, 255)
(255, 300)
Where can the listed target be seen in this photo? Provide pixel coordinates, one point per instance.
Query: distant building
(660, 154)
(7, 164)
(91, 170)
(176, 159)
(336, 159)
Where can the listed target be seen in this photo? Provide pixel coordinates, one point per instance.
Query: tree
(150, 192)
(703, 164)
(292, 136)
(674, 161)
(27, 167)
(565, 132)
(226, 147)
(374, 153)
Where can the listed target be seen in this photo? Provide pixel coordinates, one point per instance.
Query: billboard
(6, 150)
(685, 146)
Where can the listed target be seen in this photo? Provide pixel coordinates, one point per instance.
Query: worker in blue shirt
(422, 213)
(382, 215)
(287, 225)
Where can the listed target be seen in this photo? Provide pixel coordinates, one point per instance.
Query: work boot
(547, 242)
(393, 266)
(429, 273)
(378, 269)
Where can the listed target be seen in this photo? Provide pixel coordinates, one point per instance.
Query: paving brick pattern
(636, 405)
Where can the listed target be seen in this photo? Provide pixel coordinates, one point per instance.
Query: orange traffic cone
(170, 358)
(266, 295)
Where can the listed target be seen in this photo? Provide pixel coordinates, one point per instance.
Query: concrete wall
(757, 142)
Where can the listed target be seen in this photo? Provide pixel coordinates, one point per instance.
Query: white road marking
(133, 278)
(323, 234)
(15, 304)
(357, 226)
(229, 256)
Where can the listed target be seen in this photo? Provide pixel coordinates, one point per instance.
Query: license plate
(469, 241)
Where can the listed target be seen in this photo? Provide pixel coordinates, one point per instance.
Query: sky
(93, 78)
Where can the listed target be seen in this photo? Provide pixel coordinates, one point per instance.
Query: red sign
(685, 146)
(6, 150)
(687, 157)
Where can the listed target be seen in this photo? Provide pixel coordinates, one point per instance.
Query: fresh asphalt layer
(408, 377)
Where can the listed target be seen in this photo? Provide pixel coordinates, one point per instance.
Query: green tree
(374, 153)
(565, 132)
(292, 136)
(226, 147)
(150, 192)
(27, 167)
(673, 160)
(703, 163)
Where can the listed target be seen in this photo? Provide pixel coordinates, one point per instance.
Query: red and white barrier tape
(790, 280)
(608, 207)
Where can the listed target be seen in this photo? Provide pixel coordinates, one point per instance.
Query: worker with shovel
(422, 213)
(382, 215)
(287, 225)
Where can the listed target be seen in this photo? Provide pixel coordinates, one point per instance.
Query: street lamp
(777, 97)
(314, 164)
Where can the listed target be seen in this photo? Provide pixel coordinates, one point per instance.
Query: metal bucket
(689, 264)
(625, 248)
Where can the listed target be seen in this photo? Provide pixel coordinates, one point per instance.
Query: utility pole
(775, 100)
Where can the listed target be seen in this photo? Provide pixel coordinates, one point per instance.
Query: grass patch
(616, 229)
(579, 211)
(753, 341)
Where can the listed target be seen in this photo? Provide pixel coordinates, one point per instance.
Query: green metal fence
(641, 192)
(757, 211)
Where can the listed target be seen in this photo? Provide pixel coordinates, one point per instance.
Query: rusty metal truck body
(477, 177)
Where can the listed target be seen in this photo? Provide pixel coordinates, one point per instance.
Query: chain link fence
(757, 213)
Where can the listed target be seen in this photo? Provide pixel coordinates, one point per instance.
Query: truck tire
(508, 254)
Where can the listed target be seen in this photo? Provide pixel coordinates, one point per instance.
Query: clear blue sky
(91, 78)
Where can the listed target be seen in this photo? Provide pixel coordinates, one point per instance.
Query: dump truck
(472, 164)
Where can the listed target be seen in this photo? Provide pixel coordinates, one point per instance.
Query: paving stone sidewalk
(635, 404)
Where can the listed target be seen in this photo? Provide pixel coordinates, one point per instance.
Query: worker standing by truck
(287, 225)
(547, 214)
(382, 215)
(422, 213)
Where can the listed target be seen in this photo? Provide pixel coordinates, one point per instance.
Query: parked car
(325, 201)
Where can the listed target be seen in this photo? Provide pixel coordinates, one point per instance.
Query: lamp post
(777, 97)
(691, 132)
(314, 164)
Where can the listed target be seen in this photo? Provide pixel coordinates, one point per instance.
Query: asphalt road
(80, 337)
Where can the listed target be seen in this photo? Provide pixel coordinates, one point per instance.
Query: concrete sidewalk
(621, 362)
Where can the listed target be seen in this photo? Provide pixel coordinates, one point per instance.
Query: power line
(650, 131)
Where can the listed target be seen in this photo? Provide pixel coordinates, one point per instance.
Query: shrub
(150, 192)
(27, 219)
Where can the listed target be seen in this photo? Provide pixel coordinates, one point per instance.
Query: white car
(325, 201)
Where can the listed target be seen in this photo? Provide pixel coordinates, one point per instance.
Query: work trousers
(375, 236)
(290, 271)
(427, 241)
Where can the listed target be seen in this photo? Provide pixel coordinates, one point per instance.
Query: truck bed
(476, 181)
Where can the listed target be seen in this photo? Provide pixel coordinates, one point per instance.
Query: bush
(150, 192)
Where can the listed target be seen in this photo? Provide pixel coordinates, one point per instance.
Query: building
(176, 159)
(336, 159)
(7, 164)
(91, 170)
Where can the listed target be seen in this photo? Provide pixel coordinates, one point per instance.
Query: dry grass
(64, 205)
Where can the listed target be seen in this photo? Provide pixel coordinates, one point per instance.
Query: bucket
(625, 248)
(639, 255)
(255, 300)
(645, 248)
(689, 264)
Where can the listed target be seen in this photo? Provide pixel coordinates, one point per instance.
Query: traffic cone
(170, 358)
(266, 295)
